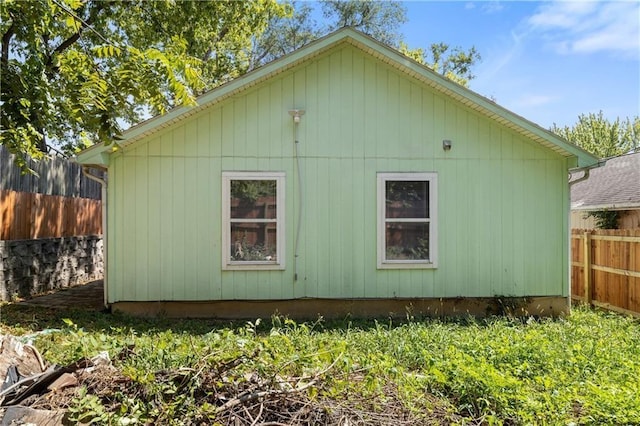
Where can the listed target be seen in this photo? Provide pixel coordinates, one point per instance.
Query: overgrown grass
(583, 369)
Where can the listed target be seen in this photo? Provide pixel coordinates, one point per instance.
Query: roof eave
(98, 155)
(478, 102)
(610, 206)
(388, 55)
(228, 89)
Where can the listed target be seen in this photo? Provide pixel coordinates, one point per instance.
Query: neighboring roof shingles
(616, 185)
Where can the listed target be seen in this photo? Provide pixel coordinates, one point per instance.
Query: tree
(594, 133)
(379, 19)
(455, 64)
(73, 70)
(284, 34)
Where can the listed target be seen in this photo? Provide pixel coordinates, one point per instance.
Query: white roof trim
(389, 56)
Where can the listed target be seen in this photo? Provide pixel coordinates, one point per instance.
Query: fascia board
(388, 55)
(228, 89)
(476, 102)
(614, 206)
(97, 155)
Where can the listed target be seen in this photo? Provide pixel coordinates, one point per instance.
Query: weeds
(582, 369)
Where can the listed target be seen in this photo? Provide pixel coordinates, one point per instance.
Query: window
(407, 220)
(253, 220)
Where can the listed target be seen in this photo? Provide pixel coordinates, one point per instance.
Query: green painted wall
(503, 200)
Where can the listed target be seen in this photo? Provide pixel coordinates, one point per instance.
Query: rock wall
(30, 267)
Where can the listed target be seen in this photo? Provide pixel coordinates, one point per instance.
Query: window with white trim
(253, 207)
(407, 220)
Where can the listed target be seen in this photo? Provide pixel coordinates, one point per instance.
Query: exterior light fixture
(296, 114)
(446, 145)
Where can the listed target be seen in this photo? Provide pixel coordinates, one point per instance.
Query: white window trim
(227, 262)
(432, 178)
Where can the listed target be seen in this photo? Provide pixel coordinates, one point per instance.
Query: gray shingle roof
(616, 185)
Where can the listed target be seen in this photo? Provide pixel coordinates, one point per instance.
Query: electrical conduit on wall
(297, 114)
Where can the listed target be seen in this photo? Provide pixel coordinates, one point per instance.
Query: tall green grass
(583, 369)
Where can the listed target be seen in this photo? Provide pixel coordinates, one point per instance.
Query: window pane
(407, 199)
(253, 242)
(253, 199)
(407, 241)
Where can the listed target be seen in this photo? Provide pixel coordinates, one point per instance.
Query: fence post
(587, 266)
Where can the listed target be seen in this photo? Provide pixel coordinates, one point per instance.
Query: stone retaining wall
(30, 267)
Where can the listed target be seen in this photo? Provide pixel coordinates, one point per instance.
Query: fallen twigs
(242, 391)
(270, 393)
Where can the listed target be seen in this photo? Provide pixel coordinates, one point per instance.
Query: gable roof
(484, 106)
(614, 186)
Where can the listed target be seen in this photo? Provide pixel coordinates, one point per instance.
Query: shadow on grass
(29, 319)
(25, 319)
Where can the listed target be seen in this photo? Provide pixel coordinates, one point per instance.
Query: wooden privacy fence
(605, 268)
(56, 201)
(27, 215)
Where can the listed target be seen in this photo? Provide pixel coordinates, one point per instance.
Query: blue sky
(546, 61)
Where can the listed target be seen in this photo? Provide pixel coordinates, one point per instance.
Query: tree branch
(93, 13)
(207, 55)
(252, 396)
(265, 51)
(6, 39)
(65, 44)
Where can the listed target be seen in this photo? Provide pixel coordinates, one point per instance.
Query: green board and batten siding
(501, 197)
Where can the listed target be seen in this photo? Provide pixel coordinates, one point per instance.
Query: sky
(547, 61)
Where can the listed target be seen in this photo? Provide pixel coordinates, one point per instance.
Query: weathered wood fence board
(26, 215)
(605, 268)
(54, 176)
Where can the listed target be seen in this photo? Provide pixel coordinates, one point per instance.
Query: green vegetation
(582, 369)
(599, 136)
(74, 72)
(605, 219)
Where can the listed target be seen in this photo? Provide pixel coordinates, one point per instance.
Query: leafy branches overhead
(594, 133)
(379, 19)
(73, 70)
(455, 64)
(284, 34)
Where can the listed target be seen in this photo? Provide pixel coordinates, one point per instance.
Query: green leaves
(599, 136)
(380, 19)
(455, 64)
(105, 51)
(74, 71)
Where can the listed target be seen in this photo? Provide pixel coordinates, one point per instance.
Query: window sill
(406, 265)
(252, 266)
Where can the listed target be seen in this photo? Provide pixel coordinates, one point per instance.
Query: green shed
(343, 178)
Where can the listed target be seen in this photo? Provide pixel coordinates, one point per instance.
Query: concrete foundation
(359, 308)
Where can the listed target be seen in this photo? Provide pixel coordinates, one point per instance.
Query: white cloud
(492, 6)
(588, 27)
(487, 6)
(563, 15)
(501, 58)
